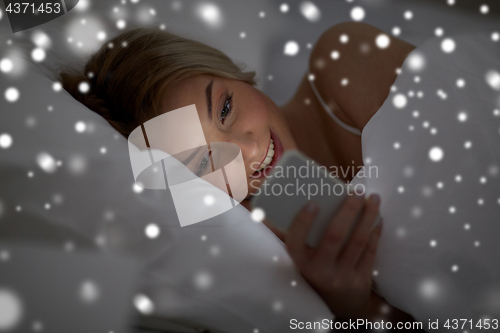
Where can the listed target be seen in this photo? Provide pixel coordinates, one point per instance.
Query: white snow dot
(460, 83)
(80, 127)
(103, 150)
(399, 101)
(284, 7)
(203, 237)
(143, 304)
(38, 54)
(310, 11)
(89, 292)
(258, 214)
(291, 48)
(467, 226)
(397, 145)
(344, 81)
(436, 154)
(243, 34)
(462, 116)
(4, 255)
(448, 45)
(6, 65)
(262, 14)
(121, 24)
(467, 144)
(408, 15)
(433, 243)
(408, 171)
(277, 306)
(451, 2)
(5, 140)
(416, 62)
(429, 289)
(137, 188)
(57, 86)
(12, 309)
(452, 210)
(441, 94)
(209, 200)
(344, 38)
(416, 212)
(101, 35)
(493, 79)
(375, 272)
(483, 180)
(47, 206)
(415, 114)
(357, 13)
(335, 55)
(215, 250)
(416, 79)
(12, 94)
(477, 243)
(401, 189)
(439, 31)
(152, 230)
(203, 280)
(458, 178)
(84, 87)
(440, 185)
(382, 41)
(454, 268)
(484, 9)
(495, 36)
(493, 170)
(396, 31)
(46, 162)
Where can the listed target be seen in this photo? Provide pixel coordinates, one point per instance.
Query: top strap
(351, 129)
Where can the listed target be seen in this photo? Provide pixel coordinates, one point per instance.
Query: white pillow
(65, 164)
(435, 146)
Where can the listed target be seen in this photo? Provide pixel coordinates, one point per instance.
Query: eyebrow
(208, 93)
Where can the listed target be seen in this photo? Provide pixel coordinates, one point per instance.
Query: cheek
(256, 109)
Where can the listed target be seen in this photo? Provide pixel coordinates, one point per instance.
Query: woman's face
(234, 111)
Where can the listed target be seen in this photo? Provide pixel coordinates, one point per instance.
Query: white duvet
(435, 143)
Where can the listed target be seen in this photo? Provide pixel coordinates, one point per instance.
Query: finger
(360, 237)
(332, 240)
(365, 265)
(296, 236)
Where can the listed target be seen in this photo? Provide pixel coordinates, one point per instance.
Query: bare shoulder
(355, 73)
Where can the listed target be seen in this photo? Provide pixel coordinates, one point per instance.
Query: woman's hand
(342, 276)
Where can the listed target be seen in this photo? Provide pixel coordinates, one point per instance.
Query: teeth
(269, 157)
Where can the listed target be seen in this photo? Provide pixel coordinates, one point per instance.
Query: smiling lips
(269, 157)
(274, 152)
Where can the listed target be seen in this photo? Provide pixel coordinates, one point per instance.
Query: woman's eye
(226, 110)
(203, 165)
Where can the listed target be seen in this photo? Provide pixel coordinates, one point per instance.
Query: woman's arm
(369, 69)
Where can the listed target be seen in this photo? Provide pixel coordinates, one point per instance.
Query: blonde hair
(129, 74)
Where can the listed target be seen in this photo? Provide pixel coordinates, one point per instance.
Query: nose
(252, 150)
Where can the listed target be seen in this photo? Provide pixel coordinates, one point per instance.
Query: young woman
(143, 73)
